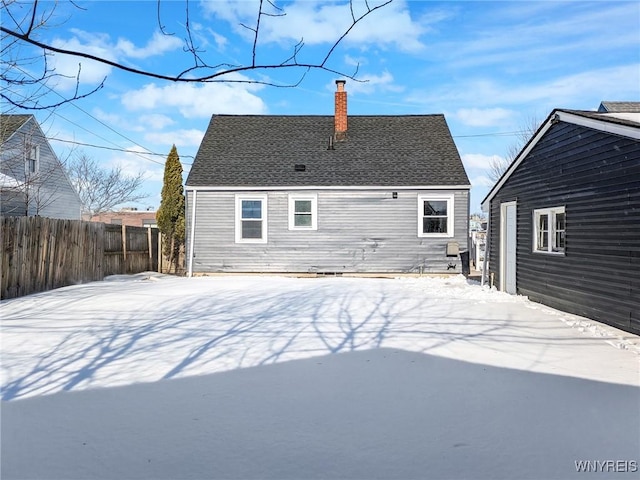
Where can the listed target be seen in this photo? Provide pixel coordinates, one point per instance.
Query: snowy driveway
(351, 378)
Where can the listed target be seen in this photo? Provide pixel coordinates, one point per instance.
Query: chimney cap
(340, 84)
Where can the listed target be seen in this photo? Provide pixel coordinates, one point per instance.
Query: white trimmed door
(508, 247)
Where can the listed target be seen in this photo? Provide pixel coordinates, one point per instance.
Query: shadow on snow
(381, 413)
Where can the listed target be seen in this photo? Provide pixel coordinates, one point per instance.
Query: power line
(495, 134)
(118, 148)
(73, 104)
(82, 144)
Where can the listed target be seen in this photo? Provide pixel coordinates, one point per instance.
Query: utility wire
(73, 104)
(119, 150)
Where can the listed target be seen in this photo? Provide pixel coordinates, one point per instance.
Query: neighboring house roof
(9, 124)
(630, 118)
(626, 124)
(250, 151)
(126, 217)
(613, 107)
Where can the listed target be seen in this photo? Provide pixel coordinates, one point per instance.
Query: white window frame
(313, 198)
(551, 248)
(31, 149)
(450, 215)
(264, 211)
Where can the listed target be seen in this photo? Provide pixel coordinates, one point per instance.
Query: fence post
(150, 244)
(160, 252)
(124, 248)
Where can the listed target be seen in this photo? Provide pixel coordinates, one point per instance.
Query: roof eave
(17, 128)
(558, 115)
(241, 188)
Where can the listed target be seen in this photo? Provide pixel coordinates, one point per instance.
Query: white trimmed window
(435, 216)
(303, 212)
(549, 230)
(32, 160)
(251, 219)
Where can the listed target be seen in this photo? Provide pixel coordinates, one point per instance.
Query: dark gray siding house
(327, 194)
(32, 179)
(564, 219)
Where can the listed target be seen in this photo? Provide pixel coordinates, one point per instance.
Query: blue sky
(491, 67)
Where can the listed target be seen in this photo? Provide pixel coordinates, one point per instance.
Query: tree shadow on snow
(164, 338)
(381, 413)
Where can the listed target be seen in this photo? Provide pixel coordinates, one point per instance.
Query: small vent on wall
(300, 168)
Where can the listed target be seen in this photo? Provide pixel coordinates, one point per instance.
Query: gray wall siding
(358, 231)
(48, 193)
(596, 177)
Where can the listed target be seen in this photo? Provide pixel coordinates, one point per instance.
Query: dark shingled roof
(604, 117)
(618, 107)
(262, 151)
(9, 124)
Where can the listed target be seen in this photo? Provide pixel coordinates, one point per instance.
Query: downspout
(487, 248)
(192, 234)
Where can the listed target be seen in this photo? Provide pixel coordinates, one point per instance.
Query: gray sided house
(564, 219)
(327, 194)
(32, 179)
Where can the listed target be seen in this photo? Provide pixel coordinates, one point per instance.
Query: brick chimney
(340, 120)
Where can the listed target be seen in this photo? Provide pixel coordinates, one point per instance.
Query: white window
(549, 230)
(32, 159)
(435, 216)
(303, 212)
(251, 219)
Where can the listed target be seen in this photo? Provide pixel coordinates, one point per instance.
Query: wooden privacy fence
(129, 249)
(40, 254)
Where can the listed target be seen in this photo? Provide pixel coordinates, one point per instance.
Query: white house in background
(32, 178)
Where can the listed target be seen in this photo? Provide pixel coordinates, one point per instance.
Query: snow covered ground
(243, 377)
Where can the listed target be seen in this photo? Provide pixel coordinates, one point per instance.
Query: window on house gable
(435, 216)
(33, 158)
(251, 218)
(303, 212)
(549, 230)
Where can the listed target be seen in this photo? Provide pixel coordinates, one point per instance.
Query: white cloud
(373, 83)
(107, 117)
(480, 161)
(196, 100)
(233, 11)
(547, 34)
(157, 45)
(483, 117)
(100, 45)
(569, 91)
(221, 41)
(181, 138)
(355, 62)
(87, 72)
(137, 160)
(155, 121)
(481, 181)
(323, 22)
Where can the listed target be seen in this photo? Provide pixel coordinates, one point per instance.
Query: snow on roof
(7, 181)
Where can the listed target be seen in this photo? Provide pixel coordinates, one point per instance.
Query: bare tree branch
(42, 83)
(160, 25)
(351, 27)
(101, 190)
(201, 70)
(499, 165)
